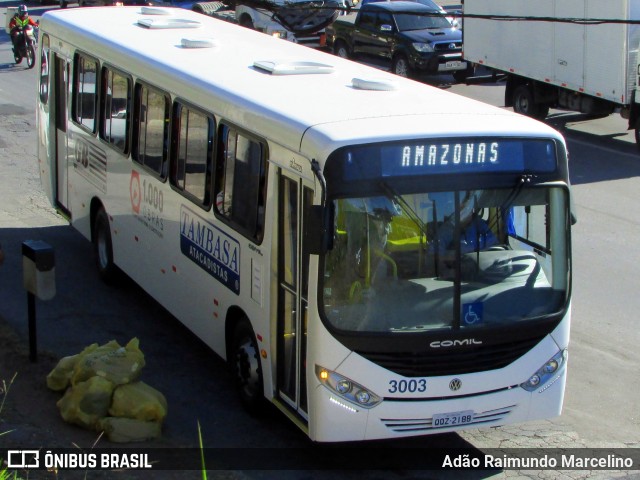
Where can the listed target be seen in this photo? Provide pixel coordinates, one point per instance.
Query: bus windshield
(446, 261)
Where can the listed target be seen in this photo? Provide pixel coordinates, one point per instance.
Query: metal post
(33, 339)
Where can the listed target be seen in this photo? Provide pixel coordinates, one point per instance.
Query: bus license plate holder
(452, 419)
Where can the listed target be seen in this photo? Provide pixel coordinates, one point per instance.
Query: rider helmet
(23, 10)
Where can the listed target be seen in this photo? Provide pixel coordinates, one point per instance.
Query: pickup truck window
(407, 22)
(368, 19)
(384, 19)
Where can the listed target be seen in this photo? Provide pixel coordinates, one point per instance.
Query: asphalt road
(602, 405)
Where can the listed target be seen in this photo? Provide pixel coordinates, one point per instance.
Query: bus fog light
(347, 388)
(343, 386)
(551, 366)
(544, 374)
(363, 396)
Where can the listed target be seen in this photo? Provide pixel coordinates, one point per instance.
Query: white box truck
(579, 55)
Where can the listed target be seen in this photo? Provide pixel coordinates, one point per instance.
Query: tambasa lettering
(210, 248)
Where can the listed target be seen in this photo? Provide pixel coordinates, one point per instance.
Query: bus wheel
(246, 369)
(102, 247)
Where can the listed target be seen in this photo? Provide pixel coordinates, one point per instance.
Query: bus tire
(103, 247)
(246, 368)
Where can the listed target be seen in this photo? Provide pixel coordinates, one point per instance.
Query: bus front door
(61, 87)
(294, 199)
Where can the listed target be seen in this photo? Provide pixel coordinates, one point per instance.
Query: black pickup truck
(414, 37)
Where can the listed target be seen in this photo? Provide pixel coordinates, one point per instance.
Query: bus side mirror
(317, 232)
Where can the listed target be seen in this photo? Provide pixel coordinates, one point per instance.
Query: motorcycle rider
(19, 21)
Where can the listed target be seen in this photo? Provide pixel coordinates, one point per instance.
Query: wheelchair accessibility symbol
(472, 313)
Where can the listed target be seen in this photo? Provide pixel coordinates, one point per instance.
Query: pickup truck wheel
(341, 50)
(400, 66)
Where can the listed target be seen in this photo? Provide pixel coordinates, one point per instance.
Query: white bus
(377, 257)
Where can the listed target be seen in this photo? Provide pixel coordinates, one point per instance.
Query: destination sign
(449, 156)
(467, 156)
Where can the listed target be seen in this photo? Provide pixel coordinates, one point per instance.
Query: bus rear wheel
(246, 368)
(103, 248)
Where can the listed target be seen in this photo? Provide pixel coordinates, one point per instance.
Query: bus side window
(85, 92)
(241, 175)
(115, 108)
(192, 153)
(151, 129)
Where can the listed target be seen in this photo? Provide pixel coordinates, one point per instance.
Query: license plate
(452, 419)
(452, 65)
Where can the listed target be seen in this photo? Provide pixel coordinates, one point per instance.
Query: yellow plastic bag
(117, 364)
(86, 402)
(60, 377)
(121, 430)
(138, 401)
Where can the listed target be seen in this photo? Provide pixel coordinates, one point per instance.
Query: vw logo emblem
(455, 384)
(452, 46)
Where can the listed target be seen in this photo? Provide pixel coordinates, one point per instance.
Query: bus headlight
(347, 388)
(545, 372)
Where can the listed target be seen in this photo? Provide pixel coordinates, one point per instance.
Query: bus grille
(453, 362)
(426, 424)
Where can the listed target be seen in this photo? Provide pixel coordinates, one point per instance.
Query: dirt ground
(29, 417)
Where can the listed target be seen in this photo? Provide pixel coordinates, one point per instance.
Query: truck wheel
(341, 50)
(103, 248)
(400, 66)
(246, 368)
(524, 103)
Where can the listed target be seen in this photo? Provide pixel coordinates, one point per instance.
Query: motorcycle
(25, 46)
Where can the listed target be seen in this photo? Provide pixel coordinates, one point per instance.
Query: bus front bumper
(336, 419)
